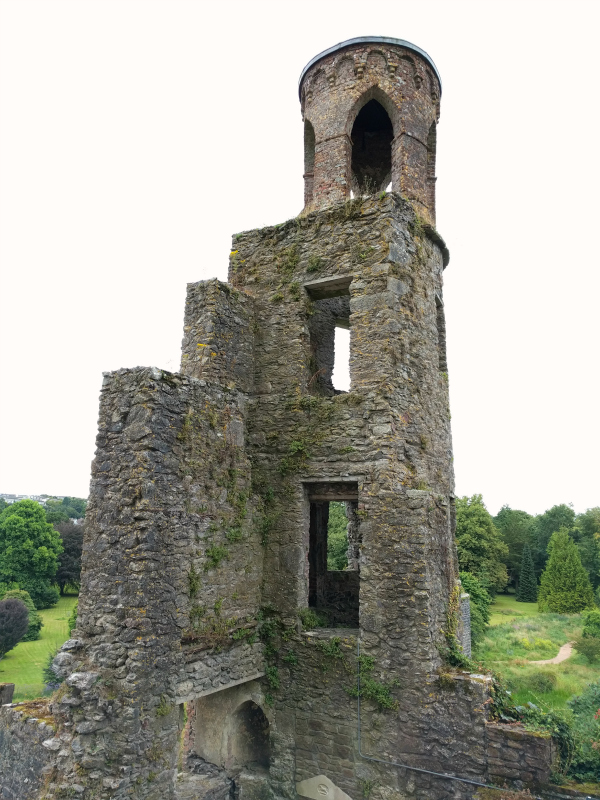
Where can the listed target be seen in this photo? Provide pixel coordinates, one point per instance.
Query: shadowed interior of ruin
(372, 135)
(250, 741)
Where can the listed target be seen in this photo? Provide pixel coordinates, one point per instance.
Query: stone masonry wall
(25, 761)
(169, 508)
(195, 566)
(518, 757)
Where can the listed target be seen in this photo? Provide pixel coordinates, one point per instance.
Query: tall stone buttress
(216, 653)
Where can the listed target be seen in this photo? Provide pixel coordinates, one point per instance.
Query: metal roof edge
(371, 40)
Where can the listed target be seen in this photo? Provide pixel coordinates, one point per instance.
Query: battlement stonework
(217, 654)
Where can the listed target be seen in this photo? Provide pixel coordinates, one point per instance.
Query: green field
(23, 665)
(518, 635)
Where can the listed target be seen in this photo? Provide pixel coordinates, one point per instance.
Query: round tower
(370, 107)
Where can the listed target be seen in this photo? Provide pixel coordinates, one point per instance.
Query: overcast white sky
(137, 135)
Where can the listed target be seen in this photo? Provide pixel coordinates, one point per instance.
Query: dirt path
(564, 653)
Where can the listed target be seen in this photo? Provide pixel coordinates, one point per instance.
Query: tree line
(552, 558)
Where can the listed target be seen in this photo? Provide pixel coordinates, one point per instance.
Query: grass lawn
(505, 608)
(23, 665)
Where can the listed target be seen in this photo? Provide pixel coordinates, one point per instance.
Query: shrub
(591, 619)
(14, 621)
(72, 621)
(311, 619)
(588, 646)
(51, 679)
(585, 765)
(35, 620)
(539, 682)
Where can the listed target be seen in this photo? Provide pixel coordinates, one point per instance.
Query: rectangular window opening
(329, 327)
(334, 542)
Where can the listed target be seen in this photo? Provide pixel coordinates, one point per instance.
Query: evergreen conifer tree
(527, 590)
(565, 586)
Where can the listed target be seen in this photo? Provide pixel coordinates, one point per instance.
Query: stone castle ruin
(216, 655)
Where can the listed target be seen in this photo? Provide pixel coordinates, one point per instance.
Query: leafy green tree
(565, 587)
(337, 537)
(527, 590)
(480, 603)
(69, 561)
(29, 550)
(557, 517)
(517, 529)
(14, 621)
(35, 618)
(586, 534)
(481, 550)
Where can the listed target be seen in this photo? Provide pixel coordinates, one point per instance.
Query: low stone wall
(6, 693)
(519, 757)
(26, 750)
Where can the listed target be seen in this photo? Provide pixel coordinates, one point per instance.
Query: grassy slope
(24, 664)
(520, 634)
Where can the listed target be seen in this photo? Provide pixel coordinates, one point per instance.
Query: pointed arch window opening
(372, 135)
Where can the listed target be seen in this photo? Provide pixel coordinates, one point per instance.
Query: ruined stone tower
(215, 653)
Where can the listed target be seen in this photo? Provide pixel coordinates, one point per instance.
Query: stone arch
(344, 68)
(377, 60)
(230, 729)
(371, 133)
(319, 81)
(374, 93)
(248, 739)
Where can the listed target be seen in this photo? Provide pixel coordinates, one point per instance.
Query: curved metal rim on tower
(370, 40)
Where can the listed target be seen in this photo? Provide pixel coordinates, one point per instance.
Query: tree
(29, 550)
(35, 619)
(557, 517)
(586, 534)
(337, 537)
(565, 587)
(69, 561)
(480, 602)
(481, 550)
(65, 509)
(517, 529)
(527, 590)
(14, 621)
